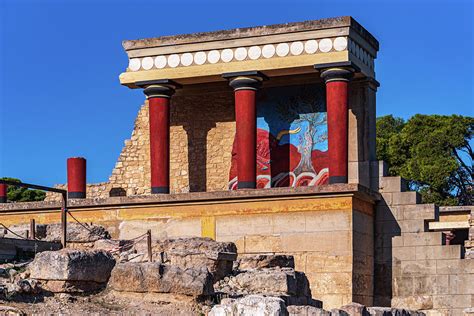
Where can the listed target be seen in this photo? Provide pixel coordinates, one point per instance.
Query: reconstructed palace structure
(265, 137)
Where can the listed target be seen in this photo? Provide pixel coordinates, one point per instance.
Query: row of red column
(245, 85)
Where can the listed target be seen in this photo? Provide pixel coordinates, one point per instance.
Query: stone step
(423, 239)
(393, 184)
(438, 252)
(427, 212)
(400, 198)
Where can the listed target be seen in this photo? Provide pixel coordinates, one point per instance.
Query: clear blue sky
(60, 60)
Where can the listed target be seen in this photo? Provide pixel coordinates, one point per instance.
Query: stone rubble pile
(217, 257)
(184, 270)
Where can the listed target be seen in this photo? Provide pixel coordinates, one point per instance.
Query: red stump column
(3, 193)
(159, 119)
(76, 178)
(245, 86)
(337, 80)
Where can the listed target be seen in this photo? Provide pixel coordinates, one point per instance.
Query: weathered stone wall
(201, 137)
(414, 268)
(330, 234)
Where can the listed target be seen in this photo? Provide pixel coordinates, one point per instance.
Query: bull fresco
(292, 137)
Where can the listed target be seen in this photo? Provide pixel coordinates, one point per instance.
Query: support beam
(337, 80)
(245, 85)
(159, 94)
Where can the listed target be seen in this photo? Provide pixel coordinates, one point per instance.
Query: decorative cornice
(238, 54)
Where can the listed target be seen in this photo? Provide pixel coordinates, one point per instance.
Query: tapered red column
(159, 118)
(337, 80)
(76, 178)
(245, 85)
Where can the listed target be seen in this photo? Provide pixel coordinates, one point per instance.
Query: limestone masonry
(257, 145)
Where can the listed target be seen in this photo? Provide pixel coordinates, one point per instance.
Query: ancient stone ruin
(249, 186)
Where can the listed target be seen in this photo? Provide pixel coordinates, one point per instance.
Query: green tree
(19, 194)
(433, 152)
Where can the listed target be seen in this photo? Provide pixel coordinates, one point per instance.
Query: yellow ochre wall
(331, 237)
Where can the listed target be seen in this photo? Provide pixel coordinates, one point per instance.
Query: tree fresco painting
(291, 138)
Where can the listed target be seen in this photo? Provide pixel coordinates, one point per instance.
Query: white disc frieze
(240, 53)
(160, 62)
(340, 43)
(227, 55)
(255, 52)
(296, 48)
(147, 63)
(213, 56)
(325, 45)
(186, 59)
(200, 58)
(282, 49)
(173, 60)
(268, 51)
(311, 46)
(134, 64)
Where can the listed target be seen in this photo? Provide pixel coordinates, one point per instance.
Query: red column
(245, 86)
(159, 119)
(76, 178)
(246, 133)
(337, 80)
(3, 193)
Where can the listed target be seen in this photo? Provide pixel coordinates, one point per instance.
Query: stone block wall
(414, 268)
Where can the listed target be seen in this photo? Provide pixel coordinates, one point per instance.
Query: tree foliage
(19, 194)
(433, 152)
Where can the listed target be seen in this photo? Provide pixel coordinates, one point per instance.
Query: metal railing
(50, 189)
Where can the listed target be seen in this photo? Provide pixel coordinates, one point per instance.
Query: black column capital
(337, 74)
(245, 80)
(164, 88)
(339, 71)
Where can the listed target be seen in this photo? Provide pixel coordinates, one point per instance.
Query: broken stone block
(285, 283)
(379, 311)
(306, 310)
(69, 270)
(159, 278)
(266, 261)
(185, 253)
(250, 305)
(355, 309)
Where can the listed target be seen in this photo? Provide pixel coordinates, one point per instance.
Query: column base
(160, 190)
(246, 185)
(76, 195)
(337, 179)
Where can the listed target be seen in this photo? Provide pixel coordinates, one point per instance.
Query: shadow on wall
(386, 227)
(199, 109)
